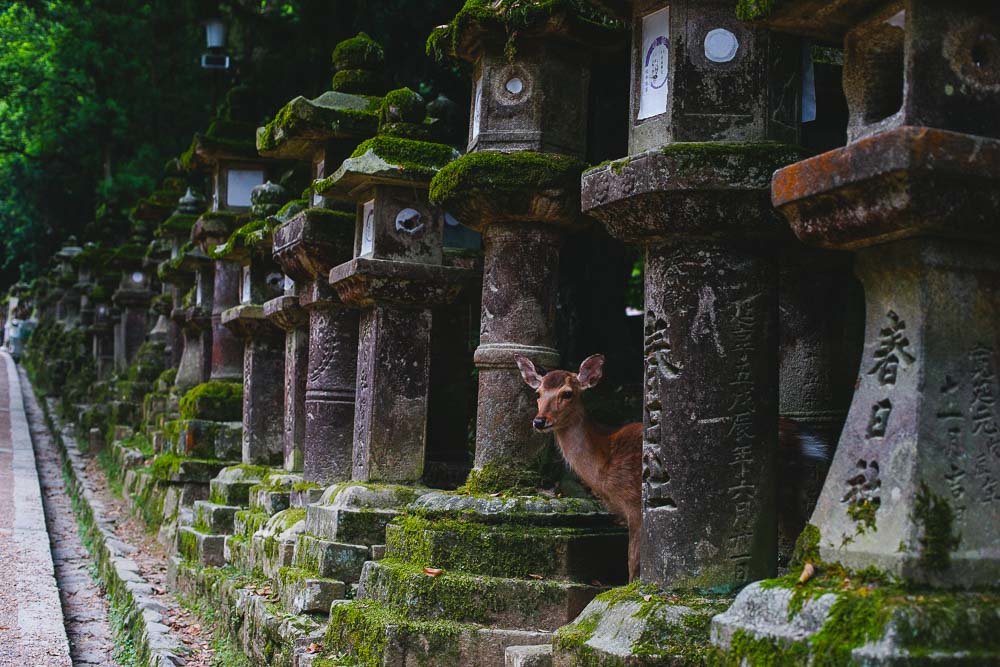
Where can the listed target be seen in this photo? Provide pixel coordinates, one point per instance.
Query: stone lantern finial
(191, 203)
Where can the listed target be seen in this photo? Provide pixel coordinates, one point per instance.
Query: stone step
(247, 522)
(355, 513)
(178, 470)
(304, 592)
(580, 554)
(232, 485)
(214, 518)
(200, 438)
(387, 638)
(528, 656)
(197, 547)
(273, 546)
(274, 492)
(331, 559)
(519, 604)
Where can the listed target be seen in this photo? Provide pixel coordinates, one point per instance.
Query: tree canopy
(97, 95)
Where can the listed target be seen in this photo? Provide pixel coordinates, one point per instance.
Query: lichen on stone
(216, 400)
(934, 516)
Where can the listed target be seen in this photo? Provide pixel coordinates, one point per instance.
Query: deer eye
(567, 395)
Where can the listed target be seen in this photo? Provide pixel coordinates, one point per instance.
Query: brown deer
(608, 460)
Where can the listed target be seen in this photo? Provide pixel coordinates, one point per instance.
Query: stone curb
(119, 574)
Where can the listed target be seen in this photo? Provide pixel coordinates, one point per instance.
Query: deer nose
(538, 423)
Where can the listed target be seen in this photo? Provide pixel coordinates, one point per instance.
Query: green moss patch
(934, 516)
(504, 20)
(505, 174)
(215, 401)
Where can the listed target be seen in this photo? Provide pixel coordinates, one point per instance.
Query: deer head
(559, 392)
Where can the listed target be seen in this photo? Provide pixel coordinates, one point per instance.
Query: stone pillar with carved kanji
(911, 501)
(712, 99)
(263, 352)
(396, 277)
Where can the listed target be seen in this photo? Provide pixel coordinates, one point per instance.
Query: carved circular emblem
(137, 277)
(275, 280)
(410, 221)
(973, 51)
(655, 65)
(514, 86)
(721, 45)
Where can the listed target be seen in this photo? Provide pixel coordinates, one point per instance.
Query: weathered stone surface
(528, 656)
(329, 559)
(904, 626)
(209, 439)
(358, 514)
(213, 518)
(232, 485)
(520, 604)
(630, 627)
(929, 359)
(286, 312)
(201, 548)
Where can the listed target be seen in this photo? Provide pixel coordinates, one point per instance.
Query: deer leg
(634, 541)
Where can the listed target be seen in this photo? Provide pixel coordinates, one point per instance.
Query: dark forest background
(97, 95)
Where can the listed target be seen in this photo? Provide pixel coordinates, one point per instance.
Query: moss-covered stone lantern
(519, 187)
(396, 277)
(322, 132)
(132, 299)
(65, 295)
(909, 515)
(263, 352)
(177, 273)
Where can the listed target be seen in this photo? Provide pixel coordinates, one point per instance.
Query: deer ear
(591, 371)
(528, 372)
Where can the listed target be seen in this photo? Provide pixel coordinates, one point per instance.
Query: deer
(608, 460)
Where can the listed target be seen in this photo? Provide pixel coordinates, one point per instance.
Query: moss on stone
(750, 10)
(934, 516)
(218, 401)
(507, 19)
(422, 156)
(356, 81)
(806, 547)
(358, 52)
(404, 105)
(505, 173)
(165, 465)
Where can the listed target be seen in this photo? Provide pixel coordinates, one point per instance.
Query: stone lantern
(132, 300)
(67, 297)
(178, 273)
(518, 186)
(319, 405)
(263, 352)
(228, 153)
(321, 132)
(396, 277)
(911, 497)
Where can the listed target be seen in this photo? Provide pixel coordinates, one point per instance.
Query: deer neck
(582, 444)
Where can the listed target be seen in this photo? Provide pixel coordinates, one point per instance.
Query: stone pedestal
(134, 305)
(227, 358)
(196, 319)
(287, 314)
(711, 344)
(263, 364)
(307, 247)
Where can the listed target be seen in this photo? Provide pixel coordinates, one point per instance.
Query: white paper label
(240, 183)
(246, 285)
(368, 229)
(655, 57)
(477, 107)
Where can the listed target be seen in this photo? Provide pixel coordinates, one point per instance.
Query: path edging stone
(119, 574)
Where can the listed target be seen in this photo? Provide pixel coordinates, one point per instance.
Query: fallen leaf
(595, 582)
(432, 571)
(808, 570)
(495, 495)
(314, 648)
(535, 576)
(647, 598)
